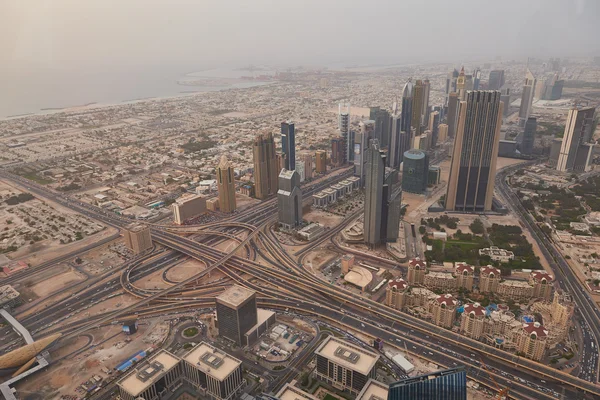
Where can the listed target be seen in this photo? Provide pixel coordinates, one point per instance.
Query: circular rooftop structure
(414, 154)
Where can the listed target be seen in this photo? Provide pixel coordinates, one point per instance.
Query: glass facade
(450, 384)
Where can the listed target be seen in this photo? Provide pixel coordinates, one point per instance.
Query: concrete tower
(288, 145)
(526, 98)
(265, 166)
(576, 151)
(226, 185)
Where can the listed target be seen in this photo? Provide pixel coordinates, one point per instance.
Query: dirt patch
(57, 283)
(324, 218)
(185, 270)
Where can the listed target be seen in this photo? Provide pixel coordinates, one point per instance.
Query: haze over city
(332, 200)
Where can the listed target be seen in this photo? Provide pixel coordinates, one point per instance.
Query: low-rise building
(289, 392)
(515, 290)
(9, 297)
(497, 254)
(374, 390)
(311, 231)
(360, 277)
(152, 380)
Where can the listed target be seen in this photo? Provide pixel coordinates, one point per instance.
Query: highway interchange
(284, 284)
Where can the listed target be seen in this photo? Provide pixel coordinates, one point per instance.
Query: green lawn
(36, 178)
(330, 397)
(464, 245)
(189, 332)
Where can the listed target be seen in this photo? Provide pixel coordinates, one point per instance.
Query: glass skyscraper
(449, 384)
(288, 145)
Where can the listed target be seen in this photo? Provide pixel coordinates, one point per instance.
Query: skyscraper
(505, 98)
(265, 166)
(415, 171)
(476, 78)
(452, 116)
(289, 199)
(449, 384)
(473, 167)
(434, 122)
(226, 185)
(321, 161)
(336, 152)
(450, 84)
(526, 98)
(576, 150)
(344, 126)
(496, 79)
(406, 111)
(382, 199)
(425, 110)
(236, 313)
(417, 107)
(350, 147)
(526, 145)
(361, 142)
(382, 125)
(461, 85)
(399, 141)
(288, 145)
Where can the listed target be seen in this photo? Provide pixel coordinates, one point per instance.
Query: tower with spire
(226, 185)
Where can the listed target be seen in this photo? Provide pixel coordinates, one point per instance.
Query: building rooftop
(212, 361)
(516, 283)
(286, 174)
(348, 355)
(235, 296)
(140, 379)
(373, 390)
(187, 198)
(398, 284)
(359, 276)
(462, 267)
(289, 392)
(312, 228)
(540, 276)
(536, 329)
(447, 299)
(7, 293)
(475, 309)
(440, 275)
(136, 227)
(489, 270)
(261, 316)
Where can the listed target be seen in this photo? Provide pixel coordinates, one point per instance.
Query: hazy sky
(74, 34)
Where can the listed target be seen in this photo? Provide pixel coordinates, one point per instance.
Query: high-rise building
(417, 106)
(415, 171)
(399, 143)
(289, 199)
(496, 79)
(425, 110)
(526, 98)
(265, 166)
(443, 310)
(526, 145)
(452, 115)
(345, 365)
(350, 147)
(406, 111)
(159, 375)
(226, 185)
(382, 199)
(308, 166)
(531, 340)
(505, 98)
(473, 167)
(449, 384)
(137, 237)
(300, 170)
(442, 133)
(382, 125)
(288, 145)
(361, 143)
(236, 313)
(576, 151)
(476, 78)
(450, 84)
(461, 85)
(344, 127)
(321, 161)
(337, 152)
(489, 278)
(472, 320)
(395, 293)
(188, 206)
(434, 122)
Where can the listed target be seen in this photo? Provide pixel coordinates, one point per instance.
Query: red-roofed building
(395, 293)
(416, 271)
(14, 267)
(531, 340)
(443, 310)
(472, 320)
(542, 284)
(464, 275)
(489, 278)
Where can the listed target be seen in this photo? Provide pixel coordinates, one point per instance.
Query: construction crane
(502, 391)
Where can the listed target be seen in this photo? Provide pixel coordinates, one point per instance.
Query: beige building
(443, 310)
(308, 166)
(497, 254)
(148, 380)
(473, 321)
(347, 263)
(345, 365)
(395, 293)
(416, 271)
(531, 340)
(188, 206)
(226, 186)
(542, 283)
(373, 390)
(289, 392)
(557, 317)
(515, 290)
(442, 133)
(444, 281)
(489, 278)
(464, 275)
(137, 237)
(212, 204)
(321, 161)
(266, 168)
(419, 297)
